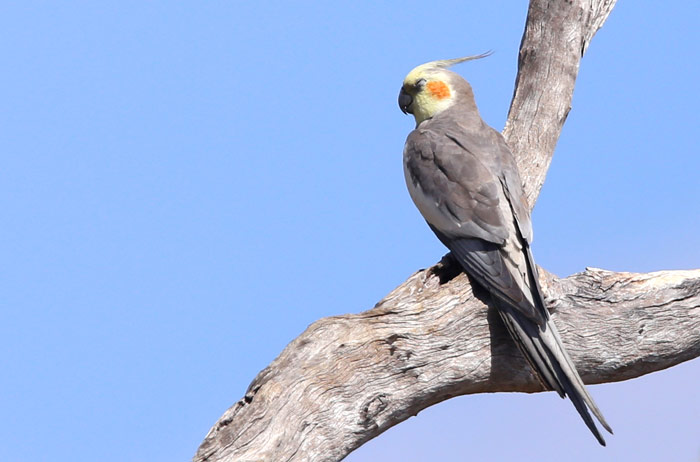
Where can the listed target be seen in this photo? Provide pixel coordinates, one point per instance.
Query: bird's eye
(420, 84)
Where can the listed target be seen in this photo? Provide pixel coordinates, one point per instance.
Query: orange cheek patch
(438, 89)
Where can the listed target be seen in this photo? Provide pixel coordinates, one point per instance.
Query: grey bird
(464, 180)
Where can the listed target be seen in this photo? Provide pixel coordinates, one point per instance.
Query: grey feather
(465, 182)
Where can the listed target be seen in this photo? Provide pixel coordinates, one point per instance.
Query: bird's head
(431, 88)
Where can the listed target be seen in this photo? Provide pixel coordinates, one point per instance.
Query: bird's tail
(543, 349)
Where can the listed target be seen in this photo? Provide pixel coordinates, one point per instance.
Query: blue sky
(186, 186)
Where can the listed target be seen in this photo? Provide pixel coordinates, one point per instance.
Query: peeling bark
(347, 379)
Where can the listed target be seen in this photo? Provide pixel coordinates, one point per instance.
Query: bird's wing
(452, 188)
(464, 202)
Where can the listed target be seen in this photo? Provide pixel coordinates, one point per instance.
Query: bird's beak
(405, 101)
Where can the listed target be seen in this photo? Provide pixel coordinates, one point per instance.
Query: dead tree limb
(347, 379)
(556, 36)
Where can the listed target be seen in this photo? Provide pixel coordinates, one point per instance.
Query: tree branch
(556, 36)
(347, 379)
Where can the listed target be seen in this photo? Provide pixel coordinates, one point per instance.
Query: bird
(463, 179)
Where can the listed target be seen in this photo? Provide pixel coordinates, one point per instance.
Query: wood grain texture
(557, 34)
(347, 379)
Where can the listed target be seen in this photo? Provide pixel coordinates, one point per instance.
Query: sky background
(188, 185)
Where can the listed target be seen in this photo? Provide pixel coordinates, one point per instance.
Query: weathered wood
(556, 36)
(347, 379)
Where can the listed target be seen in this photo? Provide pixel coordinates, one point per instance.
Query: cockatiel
(464, 180)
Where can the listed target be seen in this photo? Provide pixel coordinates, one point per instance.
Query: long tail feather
(543, 349)
(527, 319)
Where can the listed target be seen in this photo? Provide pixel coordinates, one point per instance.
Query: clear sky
(186, 186)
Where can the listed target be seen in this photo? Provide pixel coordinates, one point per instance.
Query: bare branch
(556, 36)
(347, 379)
